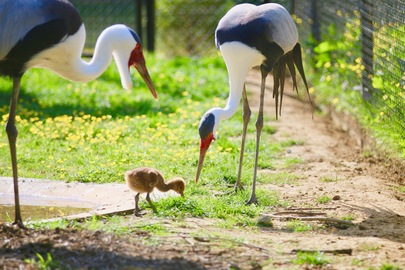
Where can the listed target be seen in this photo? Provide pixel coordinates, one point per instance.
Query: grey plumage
(18, 17)
(249, 36)
(257, 27)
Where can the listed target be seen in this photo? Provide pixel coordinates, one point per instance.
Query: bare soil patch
(362, 189)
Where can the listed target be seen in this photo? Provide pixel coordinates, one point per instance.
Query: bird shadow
(30, 102)
(76, 249)
(379, 222)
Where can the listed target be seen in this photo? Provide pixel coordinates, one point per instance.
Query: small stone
(362, 228)
(265, 221)
(336, 198)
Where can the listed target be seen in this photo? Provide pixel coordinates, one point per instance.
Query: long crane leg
(12, 134)
(246, 117)
(259, 127)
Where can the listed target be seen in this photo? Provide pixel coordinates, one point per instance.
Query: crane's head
(127, 52)
(207, 130)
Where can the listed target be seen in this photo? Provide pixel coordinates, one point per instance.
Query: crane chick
(144, 180)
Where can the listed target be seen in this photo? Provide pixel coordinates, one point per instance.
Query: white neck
(65, 57)
(239, 59)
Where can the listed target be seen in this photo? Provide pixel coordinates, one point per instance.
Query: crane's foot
(235, 189)
(19, 224)
(253, 200)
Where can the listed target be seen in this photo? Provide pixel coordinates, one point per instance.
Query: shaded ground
(363, 190)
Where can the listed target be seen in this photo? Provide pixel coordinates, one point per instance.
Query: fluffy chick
(145, 180)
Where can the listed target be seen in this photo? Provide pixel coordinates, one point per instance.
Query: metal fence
(368, 36)
(172, 27)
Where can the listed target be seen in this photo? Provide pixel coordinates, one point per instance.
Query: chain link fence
(182, 27)
(363, 41)
(99, 14)
(360, 40)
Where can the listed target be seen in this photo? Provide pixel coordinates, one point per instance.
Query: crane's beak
(204, 145)
(141, 67)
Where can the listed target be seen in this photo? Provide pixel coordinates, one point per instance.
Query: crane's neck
(87, 71)
(239, 59)
(65, 58)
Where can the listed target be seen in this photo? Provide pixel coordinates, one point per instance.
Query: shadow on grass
(380, 222)
(82, 249)
(124, 108)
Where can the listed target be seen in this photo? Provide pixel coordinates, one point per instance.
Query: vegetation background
(94, 132)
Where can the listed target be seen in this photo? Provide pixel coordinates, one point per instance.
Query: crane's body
(50, 34)
(267, 29)
(32, 27)
(250, 36)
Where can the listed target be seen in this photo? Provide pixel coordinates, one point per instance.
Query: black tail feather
(291, 67)
(276, 79)
(298, 63)
(293, 60)
(282, 67)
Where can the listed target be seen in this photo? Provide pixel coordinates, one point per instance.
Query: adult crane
(250, 36)
(50, 34)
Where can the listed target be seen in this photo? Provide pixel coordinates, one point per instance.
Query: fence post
(316, 34)
(150, 22)
(367, 44)
(138, 17)
(150, 25)
(292, 6)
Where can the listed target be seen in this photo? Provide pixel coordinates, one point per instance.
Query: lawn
(94, 132)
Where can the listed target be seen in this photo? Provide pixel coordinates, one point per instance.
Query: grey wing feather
(17, 18)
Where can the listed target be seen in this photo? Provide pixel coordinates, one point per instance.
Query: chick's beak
(141, 67)
(204, 145)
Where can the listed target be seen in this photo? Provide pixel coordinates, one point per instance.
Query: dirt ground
(363, 188)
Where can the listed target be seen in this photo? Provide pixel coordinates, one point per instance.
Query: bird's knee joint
(11, 129)
(247, 114)
(259, 122)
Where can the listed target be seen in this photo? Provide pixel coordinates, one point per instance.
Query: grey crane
(249, 36)
(50, 34)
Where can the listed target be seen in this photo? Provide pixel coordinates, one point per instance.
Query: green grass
(324, 199)
(298, 226)
(337, 70)
(282, 178)
(311, 258)
(329, 179)
(94, 132)
(43, 263)
(389, 266)
(369, 247)
(349, 217)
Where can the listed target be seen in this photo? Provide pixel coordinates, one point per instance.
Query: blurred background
(353, 48)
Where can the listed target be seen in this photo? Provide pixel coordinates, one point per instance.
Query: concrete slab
(100, 199)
